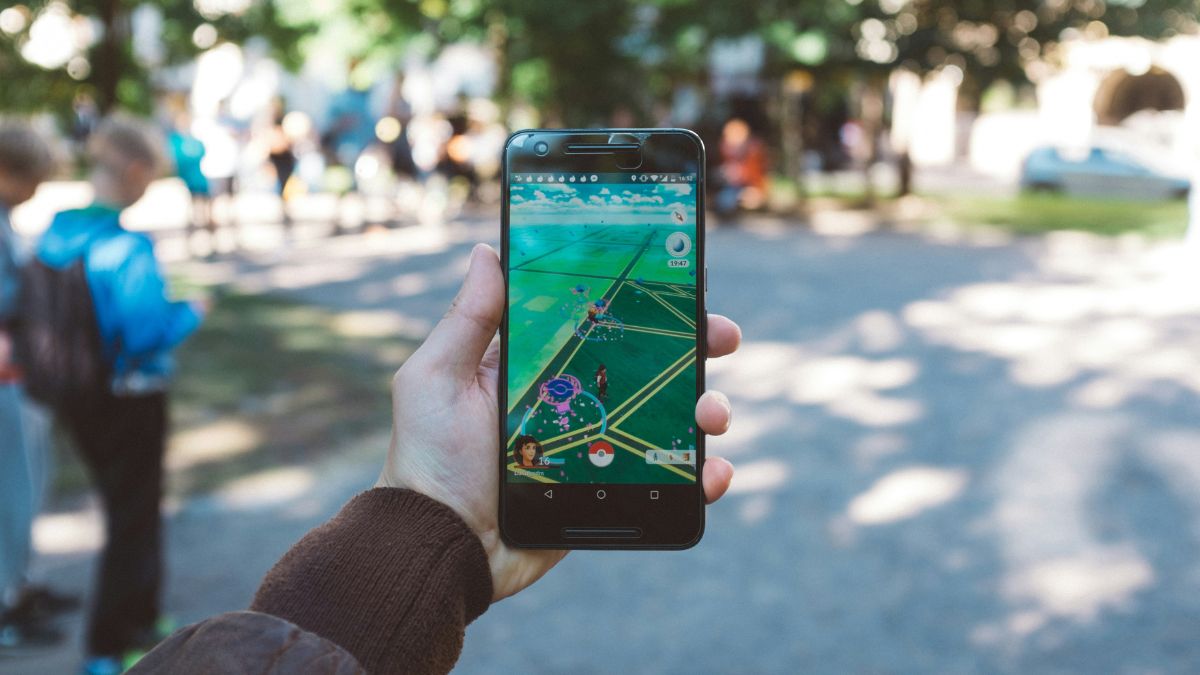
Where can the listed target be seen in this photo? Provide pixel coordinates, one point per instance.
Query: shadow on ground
(953, 456)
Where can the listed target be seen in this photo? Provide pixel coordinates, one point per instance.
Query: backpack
(58, 337)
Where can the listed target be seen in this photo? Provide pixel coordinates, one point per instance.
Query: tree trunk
(108, 57)
(904, 168)
(792, 131)
(871, 110)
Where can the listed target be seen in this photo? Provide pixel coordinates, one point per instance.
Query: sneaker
(147, 639)
(19, 637)
(130, 658)
(102, 665)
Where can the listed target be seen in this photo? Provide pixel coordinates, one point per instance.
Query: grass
(266, 383)
(1039, 212)
(1026, 213)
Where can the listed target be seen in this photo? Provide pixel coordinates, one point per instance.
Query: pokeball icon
(601, 453)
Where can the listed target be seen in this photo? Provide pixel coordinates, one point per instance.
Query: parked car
(1099, 171)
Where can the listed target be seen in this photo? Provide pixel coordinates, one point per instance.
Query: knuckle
(406, 373)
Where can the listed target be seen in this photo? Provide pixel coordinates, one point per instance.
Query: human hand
(445, 425)
(5, 350)
(202, 306)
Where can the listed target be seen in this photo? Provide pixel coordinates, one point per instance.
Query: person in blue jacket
(121, 436)
(25, 609)
(187, 153)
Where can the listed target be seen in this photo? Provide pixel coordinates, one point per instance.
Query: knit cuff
(394, 579)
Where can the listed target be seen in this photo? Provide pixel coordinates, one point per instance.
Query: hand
(202, 306)
(444, 438)
(5, 350)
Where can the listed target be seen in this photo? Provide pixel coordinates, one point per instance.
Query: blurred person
(85, 115)
(428, 135)
(743, 168)
(222, 157)
(25, 609)
(487, 138)
(187, 152)
(456, 163)
(390, 583)
(118, 425)
(623, 117)
(350, 128)
(350, 131)
(306, 146)
(282, 157)
(400, 150)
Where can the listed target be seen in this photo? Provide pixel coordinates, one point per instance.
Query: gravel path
(956, 453)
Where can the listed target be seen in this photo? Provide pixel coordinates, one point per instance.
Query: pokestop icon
(601, 453)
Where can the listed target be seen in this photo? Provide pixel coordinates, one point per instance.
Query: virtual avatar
(528, 453)
(602, 381)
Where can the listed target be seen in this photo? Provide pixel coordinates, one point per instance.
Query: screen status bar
(602, 178)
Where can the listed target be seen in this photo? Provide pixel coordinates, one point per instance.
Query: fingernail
(724, 401)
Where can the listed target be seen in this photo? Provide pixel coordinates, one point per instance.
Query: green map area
(585, 295)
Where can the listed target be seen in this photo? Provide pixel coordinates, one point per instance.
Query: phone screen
(602, 339)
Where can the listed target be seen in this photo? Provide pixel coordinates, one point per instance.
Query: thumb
(457, 344)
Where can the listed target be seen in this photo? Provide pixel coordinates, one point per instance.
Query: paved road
(955, 454)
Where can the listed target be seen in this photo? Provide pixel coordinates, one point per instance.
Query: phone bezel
(676, 521)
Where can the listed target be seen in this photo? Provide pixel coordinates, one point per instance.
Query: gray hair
(23, 153)
(120, 141)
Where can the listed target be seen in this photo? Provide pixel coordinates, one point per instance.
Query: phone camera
(541, 148)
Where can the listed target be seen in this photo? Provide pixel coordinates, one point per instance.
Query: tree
(990, 41)
(570, 61)
(34, 76)
(986, 40)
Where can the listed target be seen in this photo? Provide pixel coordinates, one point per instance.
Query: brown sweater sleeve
(394, 579)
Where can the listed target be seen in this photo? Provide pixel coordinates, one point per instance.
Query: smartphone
(603, 339)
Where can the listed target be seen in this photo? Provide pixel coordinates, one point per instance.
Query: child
(120, 430)
(25, 161)
(188, 154)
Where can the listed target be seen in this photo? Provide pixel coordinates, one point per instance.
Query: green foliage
(587, 73)
(109, 72)
(581, 61)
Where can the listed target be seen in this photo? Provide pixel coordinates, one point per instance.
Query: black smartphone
(603, 339)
